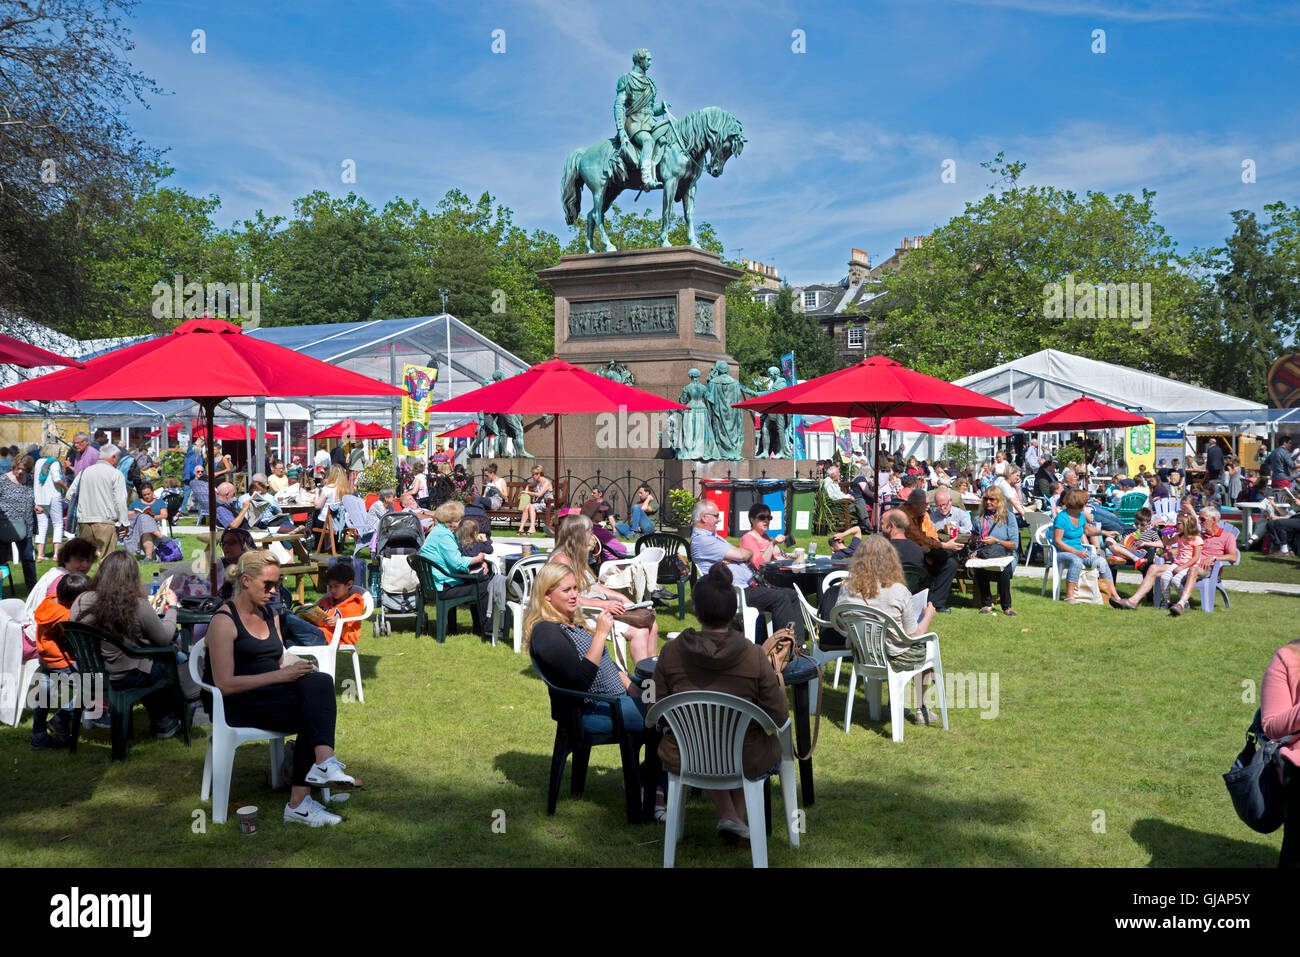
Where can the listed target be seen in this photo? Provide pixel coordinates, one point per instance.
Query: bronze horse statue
(705, 139)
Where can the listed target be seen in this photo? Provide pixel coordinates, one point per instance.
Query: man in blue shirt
(193, 458)
(708, 548)
(1280, 465)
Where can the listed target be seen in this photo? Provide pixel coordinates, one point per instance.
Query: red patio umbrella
(466, 431)
(1080, 415)
(877, 387)
(890, 423)
(557, 388)
(971, 429)
(206, 360)
(9, 410)
(352, 429)
(227, 433)
(18, 353)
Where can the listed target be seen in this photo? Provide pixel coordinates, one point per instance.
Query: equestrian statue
(650, 149)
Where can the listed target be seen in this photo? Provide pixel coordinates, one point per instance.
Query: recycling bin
(744, 495)
(803, 503)
(718, 491)
(775, 494)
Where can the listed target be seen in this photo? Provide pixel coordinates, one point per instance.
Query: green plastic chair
(1128, 506)
(81, 642)
(443, 607)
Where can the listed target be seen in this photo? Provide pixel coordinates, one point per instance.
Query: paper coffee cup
(247, 819)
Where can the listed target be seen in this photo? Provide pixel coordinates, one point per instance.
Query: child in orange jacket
(50, 613)
(340, 601)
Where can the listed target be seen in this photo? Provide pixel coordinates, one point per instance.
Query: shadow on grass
(937, 831)
(1172, 846)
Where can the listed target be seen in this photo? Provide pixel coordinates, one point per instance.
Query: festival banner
(419, 382)
(1140, 447)
(798, 444)
(843, 435)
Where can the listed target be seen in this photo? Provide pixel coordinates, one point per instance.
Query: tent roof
(1048, 379)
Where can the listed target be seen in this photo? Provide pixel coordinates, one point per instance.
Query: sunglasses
(270, 586)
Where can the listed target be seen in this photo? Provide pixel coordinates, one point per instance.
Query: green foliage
(800, 333)
(1254, 306)
(172, 463)
(379, 474)
(961, 453)
(680, 503)
(976, 294)
(1069, 453)
(758, 335)
(640, 230)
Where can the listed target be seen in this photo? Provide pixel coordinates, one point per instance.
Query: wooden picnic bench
(510, 513)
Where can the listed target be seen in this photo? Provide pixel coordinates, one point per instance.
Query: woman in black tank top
(262, 687)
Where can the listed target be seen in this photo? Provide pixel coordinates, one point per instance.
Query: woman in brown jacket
(717, 657)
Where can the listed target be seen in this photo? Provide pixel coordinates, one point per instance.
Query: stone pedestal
(660, 312)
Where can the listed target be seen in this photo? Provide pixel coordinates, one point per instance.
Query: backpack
(1253, 782)
(169, 550)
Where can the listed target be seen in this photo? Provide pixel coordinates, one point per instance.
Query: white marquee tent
(1048, 379)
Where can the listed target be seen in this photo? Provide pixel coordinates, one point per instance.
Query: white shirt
(101, 495)
(1033, 458)
(1000, 468)
(331, 498)
(322, 460)
(831, 487)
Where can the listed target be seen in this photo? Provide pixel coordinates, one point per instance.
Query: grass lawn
(1111, 732)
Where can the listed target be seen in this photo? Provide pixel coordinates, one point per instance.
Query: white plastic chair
(709, 728)
(866, 628)
(649, 557)
(1045, 537)
(219, 761)
(521, 583)
(327, 655)
(812, 626)
(16, 675)
(749, 616)
(1035, 521)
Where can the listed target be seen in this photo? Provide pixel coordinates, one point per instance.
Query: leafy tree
(336, 260)
(977, 294)
(67, 157)
(488, 267)
(749, 327)
(160, 234)
(800, 333)
(1255, 307)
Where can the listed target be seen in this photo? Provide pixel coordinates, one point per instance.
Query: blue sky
(846, 140)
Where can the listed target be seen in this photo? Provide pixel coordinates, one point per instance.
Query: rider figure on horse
(641, 119)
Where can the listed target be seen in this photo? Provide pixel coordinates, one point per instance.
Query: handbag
(780, 649)
(1253, 783)
(638, 617)
(994, 550)
(1088, 589)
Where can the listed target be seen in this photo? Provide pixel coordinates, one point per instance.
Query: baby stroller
(393, 583)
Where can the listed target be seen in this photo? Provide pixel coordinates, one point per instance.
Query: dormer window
(810, 300)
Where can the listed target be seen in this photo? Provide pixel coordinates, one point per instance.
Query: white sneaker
(330, 775)
(311, 814)
(1284, 550)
